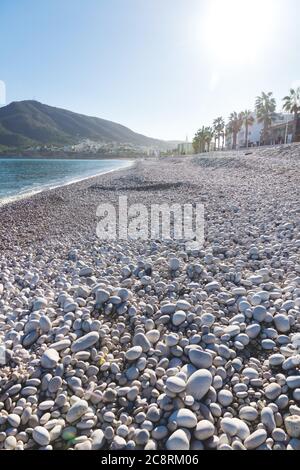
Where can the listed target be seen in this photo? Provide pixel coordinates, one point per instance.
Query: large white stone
(199, 383)
(179, 440)
(184, 418)
(76, 411)
(41, 436)
(255, 439)
(50, 359)
(85, 342)
(204, 430)
(175, 384)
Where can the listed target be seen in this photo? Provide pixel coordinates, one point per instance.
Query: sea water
(20, 177)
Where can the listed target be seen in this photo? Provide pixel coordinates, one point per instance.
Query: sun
(236, 32)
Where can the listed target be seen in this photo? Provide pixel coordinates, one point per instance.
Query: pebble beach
(131, 345)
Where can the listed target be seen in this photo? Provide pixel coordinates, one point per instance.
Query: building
(185, 148)
(281, 131)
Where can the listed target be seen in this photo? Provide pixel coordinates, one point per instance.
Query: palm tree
(200, 140)
(209, 136)
(265, 107)
(248, 120)
(219, 126)
(292, 105)
(234, 126)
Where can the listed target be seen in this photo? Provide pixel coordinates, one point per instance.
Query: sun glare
(236, 32)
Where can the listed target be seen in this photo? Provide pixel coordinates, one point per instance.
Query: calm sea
(20, 177)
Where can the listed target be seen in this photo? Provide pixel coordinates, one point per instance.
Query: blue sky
(161, 67)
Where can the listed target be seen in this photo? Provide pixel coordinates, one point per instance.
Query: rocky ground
(143, 345)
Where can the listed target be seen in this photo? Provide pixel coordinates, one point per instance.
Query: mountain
(26, 123)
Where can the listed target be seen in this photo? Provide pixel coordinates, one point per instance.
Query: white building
(281, 121)
(185, 148)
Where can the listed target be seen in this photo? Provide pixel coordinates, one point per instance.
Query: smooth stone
(86, 271)
(153, 336)
(30, 339)
(178, 317)
(14, 390)
(272, 391)
(85, 342)
(39, 303)
(199, 383)
(250, 373)
(70, 307)
(229, 426)
(294, 444)
(46, 405)
(242, 429)
(10, 443)
(188, 370)
(98, 439)
(282, 323)
(276, 360)
(54, 384)
(45, 324)
(61, 345)
(178, 441)
(174, 264)
(232, 330)
(171, 339)
(102, 296)
(279, 435)
(253, 330)
(140, 339)
(293, 382)
(41, 436)
(268, 344)
(83, 292)
(160, 432)
(259, 313)
(133, 353)
(27, 391)
(208, 319)
(197, 445)
(212, 286)
(175, 384)
(291, 362)
(14, 420)
(296, 394)
(168, 309)
(184, 418)
(255, 439)
(50, 359)
(267, 418)
(292, 425)
(78, 409)
(85, 445)
(225, 397)
(204, 430)
(248, 413)
(183, 305)
(142, 437)
(200, 359)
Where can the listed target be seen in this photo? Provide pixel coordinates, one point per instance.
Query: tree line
(265, 109)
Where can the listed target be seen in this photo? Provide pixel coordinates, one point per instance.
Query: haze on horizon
(161, 68)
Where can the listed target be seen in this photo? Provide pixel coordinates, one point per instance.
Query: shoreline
(26, 195)
(78, 156)
(142, 345)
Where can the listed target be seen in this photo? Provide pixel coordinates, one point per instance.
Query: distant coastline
(69, 156)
